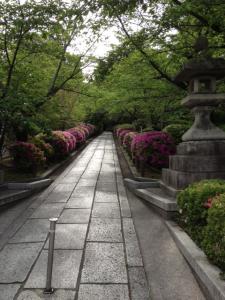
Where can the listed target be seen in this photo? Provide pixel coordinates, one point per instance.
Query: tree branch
(76, 92)
(149, 60)
(200, 18)
(12, 65)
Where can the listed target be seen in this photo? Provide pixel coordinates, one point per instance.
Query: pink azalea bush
(153, 147)
(91, 129)
(78, 134)
(127, 140)
(119, 131)
(49, 147)
(86, 129)
(27, 156)
(122, 133)
(60, 144)
(70, 139)
(39, 141)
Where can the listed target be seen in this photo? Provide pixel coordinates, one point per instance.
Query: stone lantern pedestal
(201, 155)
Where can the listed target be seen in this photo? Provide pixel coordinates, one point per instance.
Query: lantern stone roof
(198, 67)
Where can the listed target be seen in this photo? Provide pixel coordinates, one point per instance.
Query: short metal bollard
(49, 289)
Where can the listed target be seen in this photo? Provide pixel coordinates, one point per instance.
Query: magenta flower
(153, 147)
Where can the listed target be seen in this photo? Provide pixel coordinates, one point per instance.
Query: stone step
(165, 204)
(8, 196)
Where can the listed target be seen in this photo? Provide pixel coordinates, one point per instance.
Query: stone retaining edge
(207, 274)
(29, 185)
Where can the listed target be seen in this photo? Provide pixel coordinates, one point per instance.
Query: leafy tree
(35, 62)
(168, 26)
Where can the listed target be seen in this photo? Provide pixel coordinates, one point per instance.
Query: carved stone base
(194, 161)
(203, 128)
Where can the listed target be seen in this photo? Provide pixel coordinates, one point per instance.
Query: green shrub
(39, 141)
(124, 126)
(147, 129)
(27, 157)
(176, 131)
(214, 233)
(193, 205)
(59, 143)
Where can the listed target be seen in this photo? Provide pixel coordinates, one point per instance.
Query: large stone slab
(87, 182)
(16, 261)
(70, 179)
(138, 284)
(80, 203)
(106, 186)
(76, 171)
(75, 216)
(107, 178)
(8, 291)
(34, 230)
(65, 270)
(83, 192)
(69, 236)
(37, 294)
(90, 174)
(62, 187)
(60, 197)
(103, 196)
(105, 230)
(48, 210)
(106, 210)
(103, 292)
(104, 263)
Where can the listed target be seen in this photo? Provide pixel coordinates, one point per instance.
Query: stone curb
(121, 152)
(14, 196)
(29, 185)
(207, 274)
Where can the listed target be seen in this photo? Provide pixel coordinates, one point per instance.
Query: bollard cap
(53, 219)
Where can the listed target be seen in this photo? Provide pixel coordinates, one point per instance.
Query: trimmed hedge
(193, 203)
(202, 214)
(214, 233)
(176, 131)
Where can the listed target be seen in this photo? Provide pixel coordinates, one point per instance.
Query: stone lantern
(201, 155)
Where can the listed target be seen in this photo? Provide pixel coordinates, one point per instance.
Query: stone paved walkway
(97, 255)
